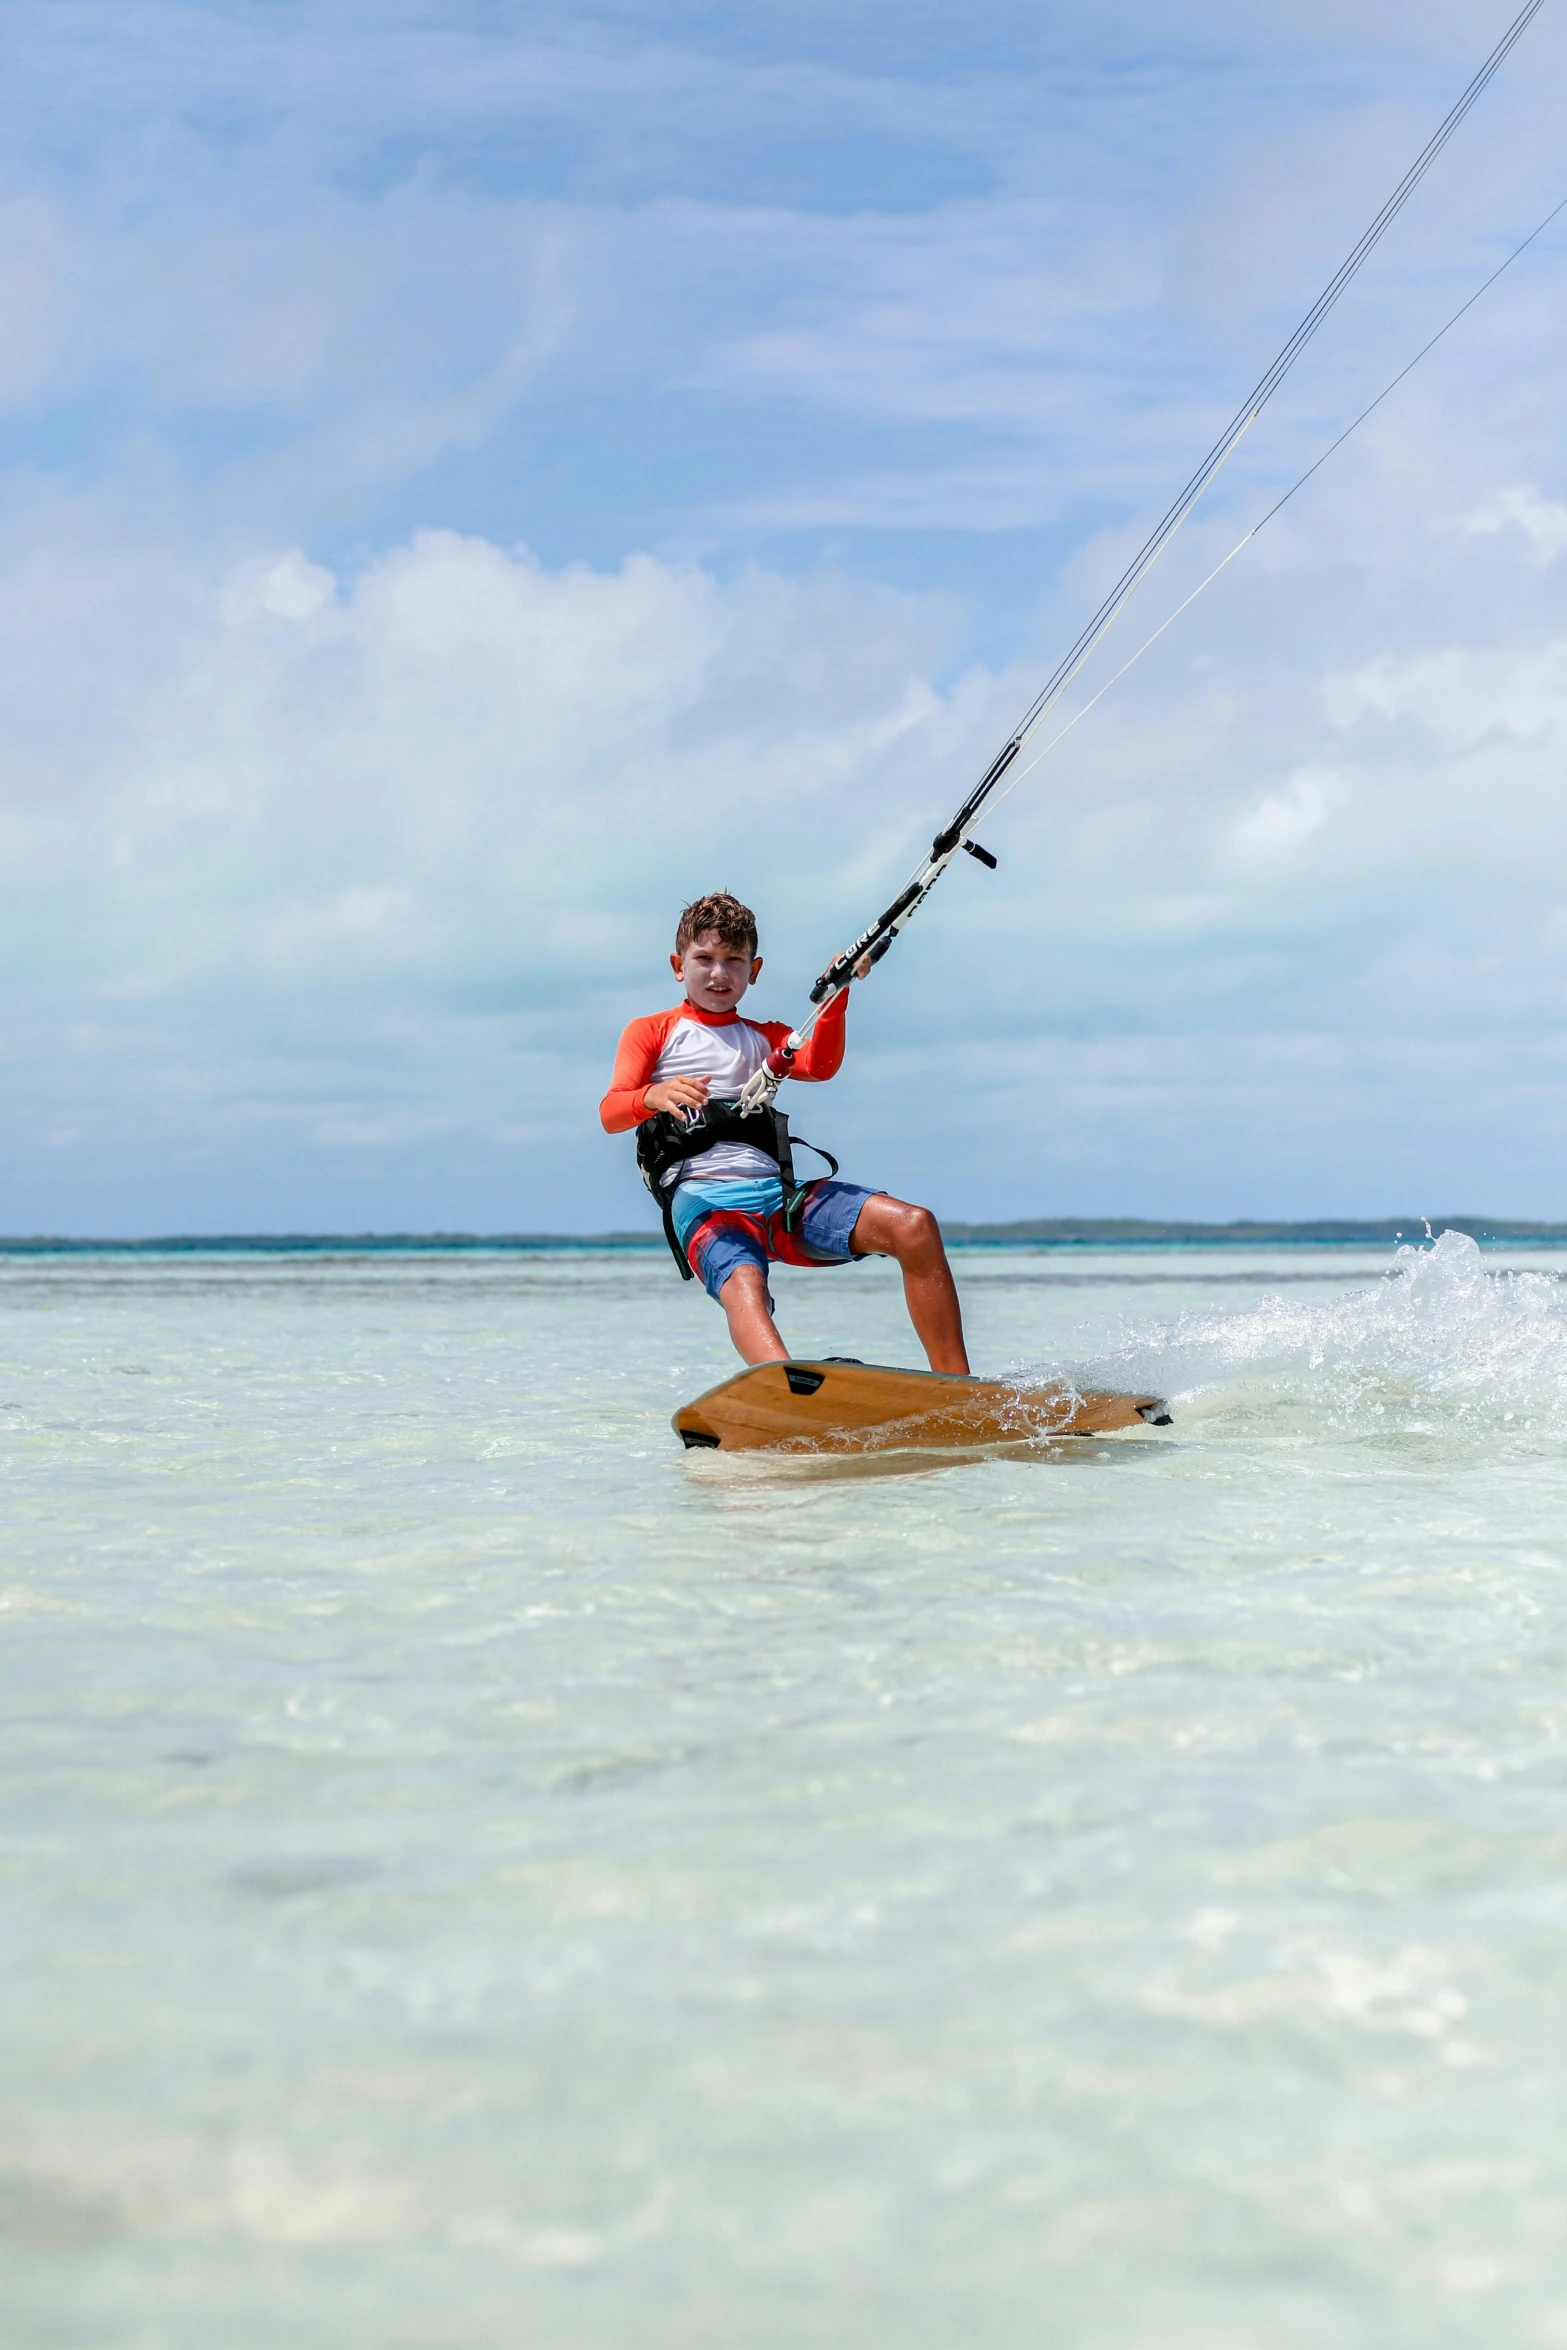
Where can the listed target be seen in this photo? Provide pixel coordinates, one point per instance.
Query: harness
(665, 1141)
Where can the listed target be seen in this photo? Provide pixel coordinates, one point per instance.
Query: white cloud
(1460, 693)
(328, 250)
(334, 845)
(1542, 521)
(350, 907)
(1282, 822)
(288, 587)
(367, 846)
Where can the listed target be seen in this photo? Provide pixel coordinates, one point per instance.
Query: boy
(725, 1203)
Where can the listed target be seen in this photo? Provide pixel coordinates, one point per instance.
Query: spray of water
(1439, 1342)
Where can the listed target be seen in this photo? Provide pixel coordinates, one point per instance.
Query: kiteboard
(830, 1405)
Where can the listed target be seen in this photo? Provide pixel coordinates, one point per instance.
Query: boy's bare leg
(751, 1325)
(887, 1227)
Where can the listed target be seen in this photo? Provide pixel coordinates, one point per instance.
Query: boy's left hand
(862, 969)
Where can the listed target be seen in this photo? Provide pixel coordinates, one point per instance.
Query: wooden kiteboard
(827, 1406)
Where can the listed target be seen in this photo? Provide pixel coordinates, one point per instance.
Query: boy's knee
(902, 1230)
(746, 1293)
(922, 1230)
(744, 1286)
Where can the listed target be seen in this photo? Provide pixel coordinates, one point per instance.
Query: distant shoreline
(1041, 1232)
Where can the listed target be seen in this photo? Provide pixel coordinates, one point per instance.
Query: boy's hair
(734, 924)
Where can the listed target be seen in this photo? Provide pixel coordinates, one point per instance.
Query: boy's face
(716, 976)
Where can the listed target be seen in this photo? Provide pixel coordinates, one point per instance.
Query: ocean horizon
(1033, 1232)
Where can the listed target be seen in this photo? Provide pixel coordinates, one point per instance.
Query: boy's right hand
(677, 1094)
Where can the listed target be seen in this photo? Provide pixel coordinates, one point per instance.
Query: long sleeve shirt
(725, 1049)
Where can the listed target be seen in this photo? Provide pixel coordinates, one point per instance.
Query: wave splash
(1439, 1340)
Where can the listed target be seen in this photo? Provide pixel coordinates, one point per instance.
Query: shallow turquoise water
(474, 1875)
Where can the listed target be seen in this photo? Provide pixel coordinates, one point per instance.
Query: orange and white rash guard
(723, 1048)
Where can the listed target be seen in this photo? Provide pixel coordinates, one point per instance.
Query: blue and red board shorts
(738, 1220)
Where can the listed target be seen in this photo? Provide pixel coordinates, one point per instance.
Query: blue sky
(474, 477)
